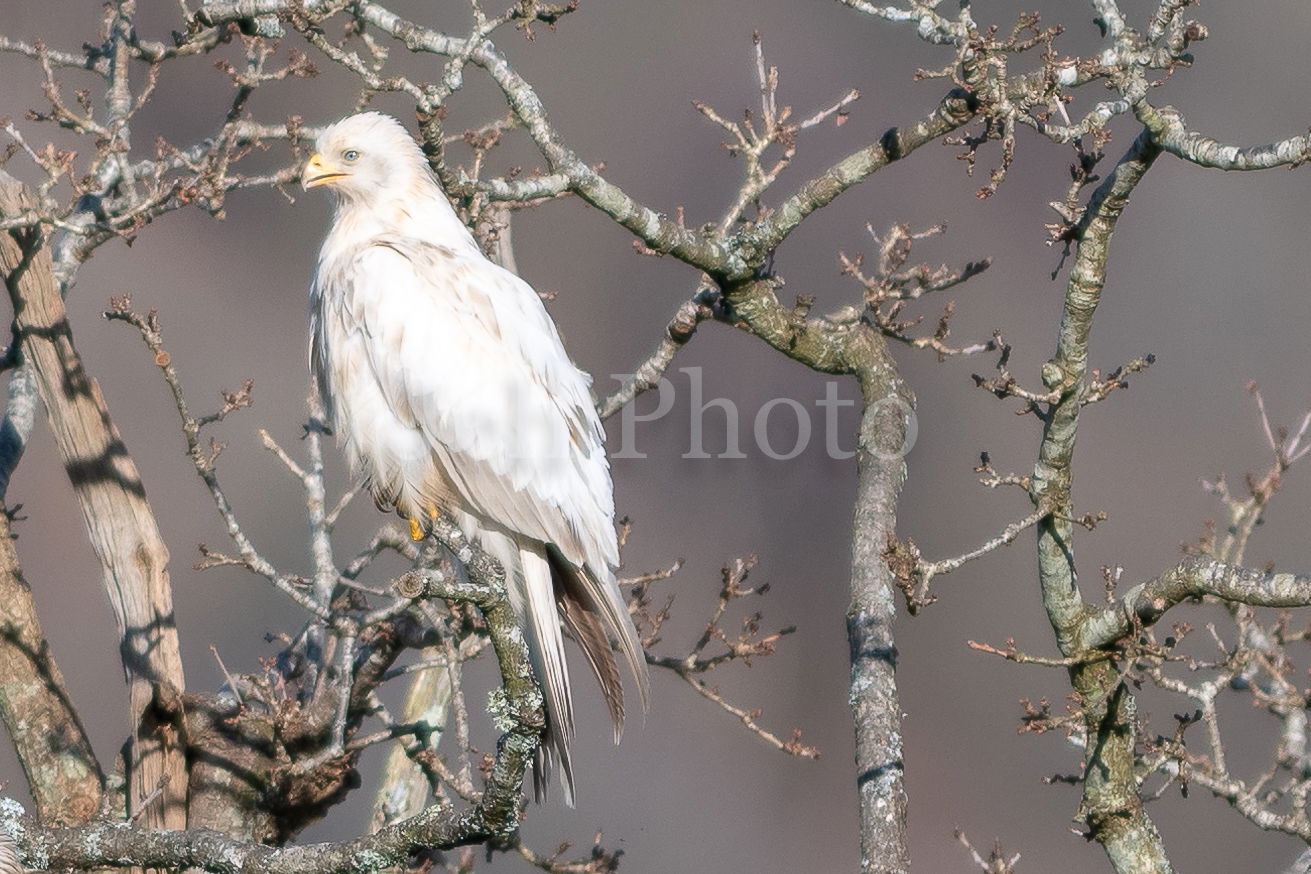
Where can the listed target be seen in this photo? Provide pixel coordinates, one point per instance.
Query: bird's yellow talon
(416, 529)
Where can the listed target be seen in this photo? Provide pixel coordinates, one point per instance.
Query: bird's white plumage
(450, 390)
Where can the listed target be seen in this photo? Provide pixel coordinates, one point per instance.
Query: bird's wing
(466, 351)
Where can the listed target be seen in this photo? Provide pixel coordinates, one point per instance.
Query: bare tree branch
(62, 772)
(1111, 805)
(648, 374)
(1194, 577)
(1171, 134)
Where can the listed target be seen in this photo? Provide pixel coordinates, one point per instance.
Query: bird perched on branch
(449, 389)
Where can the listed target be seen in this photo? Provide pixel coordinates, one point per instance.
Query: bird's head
(364, 156)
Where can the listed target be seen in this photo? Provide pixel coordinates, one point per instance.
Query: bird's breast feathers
(449, 384)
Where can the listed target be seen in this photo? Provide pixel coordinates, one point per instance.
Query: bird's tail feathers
(594, 610)
(588, 628)
(544, 587)
(534, 590)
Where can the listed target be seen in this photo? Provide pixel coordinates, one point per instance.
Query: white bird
(450, 392)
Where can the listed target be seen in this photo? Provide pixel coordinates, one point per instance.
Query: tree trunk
(119, 521)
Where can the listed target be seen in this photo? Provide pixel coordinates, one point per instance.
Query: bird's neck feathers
(412, 205)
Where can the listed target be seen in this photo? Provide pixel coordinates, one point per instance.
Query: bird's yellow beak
(320, 171)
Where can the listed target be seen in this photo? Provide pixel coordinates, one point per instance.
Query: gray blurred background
(1208, 272)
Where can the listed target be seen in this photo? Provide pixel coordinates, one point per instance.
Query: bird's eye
(350, 156)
